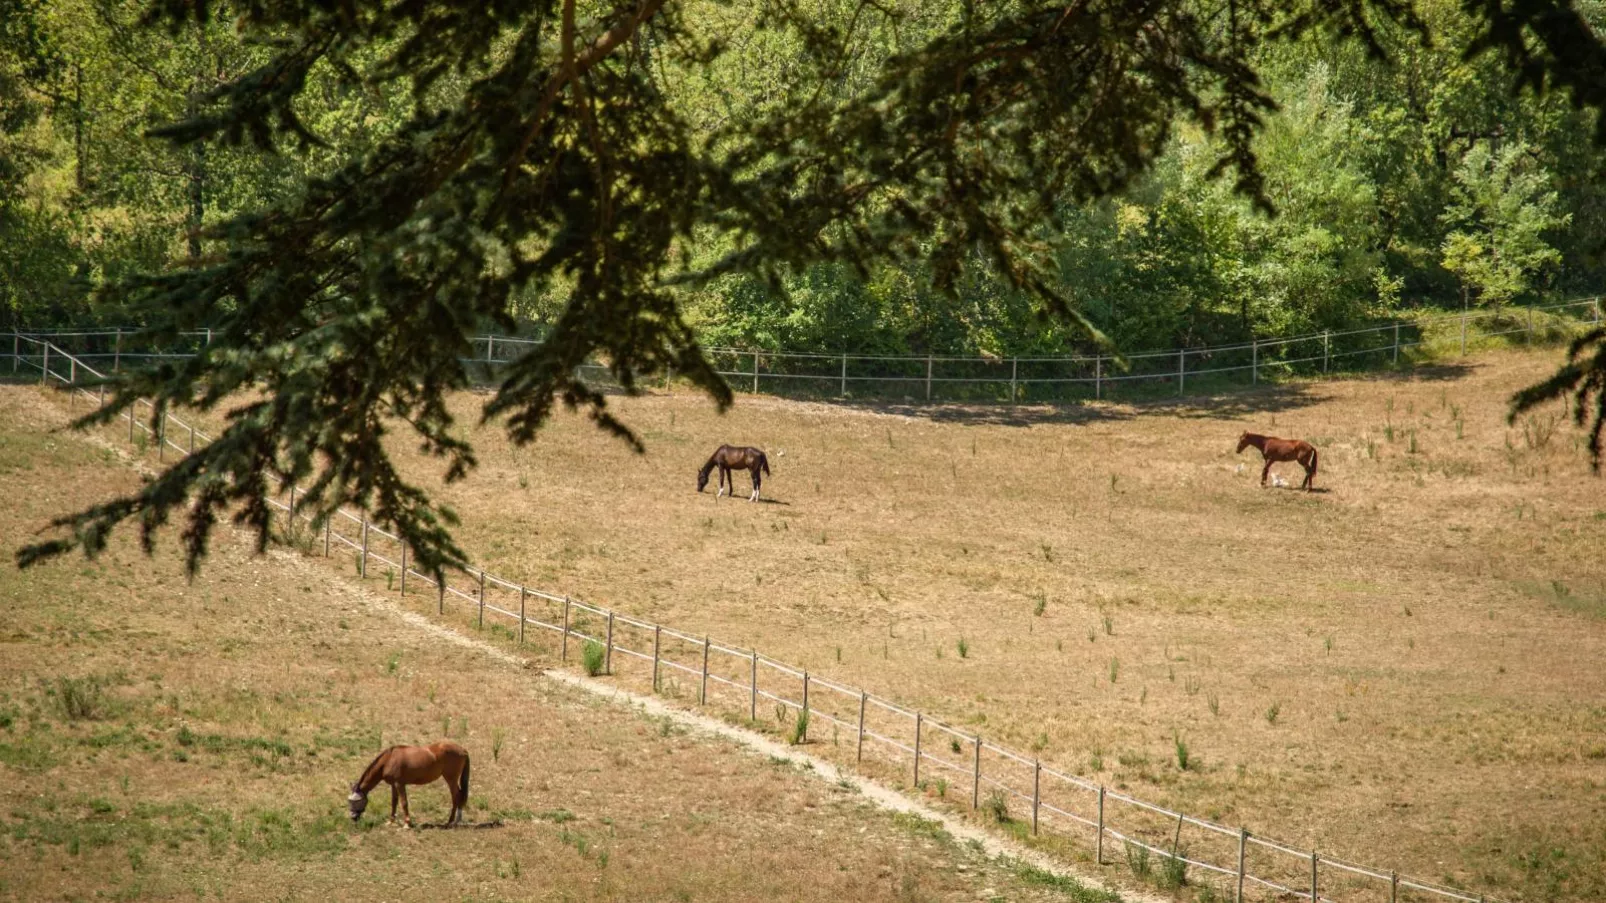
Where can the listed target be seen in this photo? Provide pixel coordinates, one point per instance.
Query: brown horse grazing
(1274, 449)
(728, 458)
(403, 765)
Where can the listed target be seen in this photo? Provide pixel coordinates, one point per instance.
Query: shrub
(964, 648)
(1272, 712)
(800, 729)
(1137, 859)
(997, 805)
(592, 657)
(1184, 759)
(81, 698)
(1174, 870)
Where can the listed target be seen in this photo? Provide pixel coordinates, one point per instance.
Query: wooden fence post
(917, 749)
(975, 780)
(1531, 321)
(523, 593)
(440, 595)
(1254, 362)
(803, 736)
(928, 377)
(1326, 341)
(327, 524)
(564, 655)
(752, 690)
(208, 336)
(16, 351)
(844, 392)
(117, 350)
(1098, 378)
(1014, 373)
(1243, 842)
(1394, 887)
(1463, 330)
(858, 755)
(1037, 780)
(1313, 860)
(44, 373)
(482, 599)
(490, 348)
(192, 441)
(755, 373)
(1182, 370)
(161, 431)
(607, 651)
(402, 543)
(702, 692)
(1396, 342)
(131, 410)
(362, 567)
(1098, 846)
(657, 638)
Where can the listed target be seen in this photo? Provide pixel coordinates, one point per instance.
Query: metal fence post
(1396, 342)
(362, 567)
(1254, 362)
(657, 637)
(858, 755)
(702, 691)
(1014, 373)
(1098, 378)
(16, 351)
(1243, 842)
(1182, 370)
(564, 654)
(402, 543)
(327, 529)
(208, 336)
(844, 392)
(1037, 780)
(803, 736)
(523, 593)
(1098, 846)
(1326, 341)
(752, 690)
(117, 350)
(607, 652)
(482, 599)
(918, 718)
(1313, 860)
(975, 777)
(490, 348)
(44, 373)
(928, 377)
(755, 373)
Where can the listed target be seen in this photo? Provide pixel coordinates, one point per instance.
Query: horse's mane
(382, 753)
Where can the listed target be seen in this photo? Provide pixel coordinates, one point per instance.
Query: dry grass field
(1402, 669)
(163, 739)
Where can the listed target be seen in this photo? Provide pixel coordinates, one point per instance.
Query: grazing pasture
(166, 739)
(1401, 667)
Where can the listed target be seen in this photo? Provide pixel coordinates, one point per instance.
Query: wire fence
(882, 737)
(955, 378)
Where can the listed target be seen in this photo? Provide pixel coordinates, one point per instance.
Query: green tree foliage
(1501, 208)
(612, 162)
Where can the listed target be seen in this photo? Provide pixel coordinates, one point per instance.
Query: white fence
(1026, 378)
(1051, 802)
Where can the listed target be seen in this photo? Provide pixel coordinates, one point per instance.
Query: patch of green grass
(922, 827)
(593, 657)
(1073, 889)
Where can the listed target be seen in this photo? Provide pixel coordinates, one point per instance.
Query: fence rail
(937, 377)
(1144, 829)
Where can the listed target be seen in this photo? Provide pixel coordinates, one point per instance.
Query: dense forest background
(1420, 181)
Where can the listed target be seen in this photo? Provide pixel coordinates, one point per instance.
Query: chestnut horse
(403, 765)
(1274, 449)
(728, 458)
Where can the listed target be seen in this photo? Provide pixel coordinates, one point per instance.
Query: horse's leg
(756, 480)
(451, 791)
(407, 813)
(393, 800)
(1265, 470)
(724, 472)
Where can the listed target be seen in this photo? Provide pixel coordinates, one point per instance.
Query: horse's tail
(764, 462)
(462, 783)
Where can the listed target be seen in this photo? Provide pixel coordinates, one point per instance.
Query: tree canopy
(621, 163)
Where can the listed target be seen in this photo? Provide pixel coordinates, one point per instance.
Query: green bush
(593, 657)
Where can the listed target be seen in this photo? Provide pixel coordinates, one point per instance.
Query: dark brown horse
(403, 765)
(1274, 449)
(728, 458)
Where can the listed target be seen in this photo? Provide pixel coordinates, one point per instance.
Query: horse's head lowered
(1243, 442)
(358, 801)
(702, 480)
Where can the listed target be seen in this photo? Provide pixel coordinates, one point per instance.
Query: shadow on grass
(467, 826)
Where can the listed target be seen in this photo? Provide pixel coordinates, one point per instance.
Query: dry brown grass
(221, 720)
(1428, 628)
